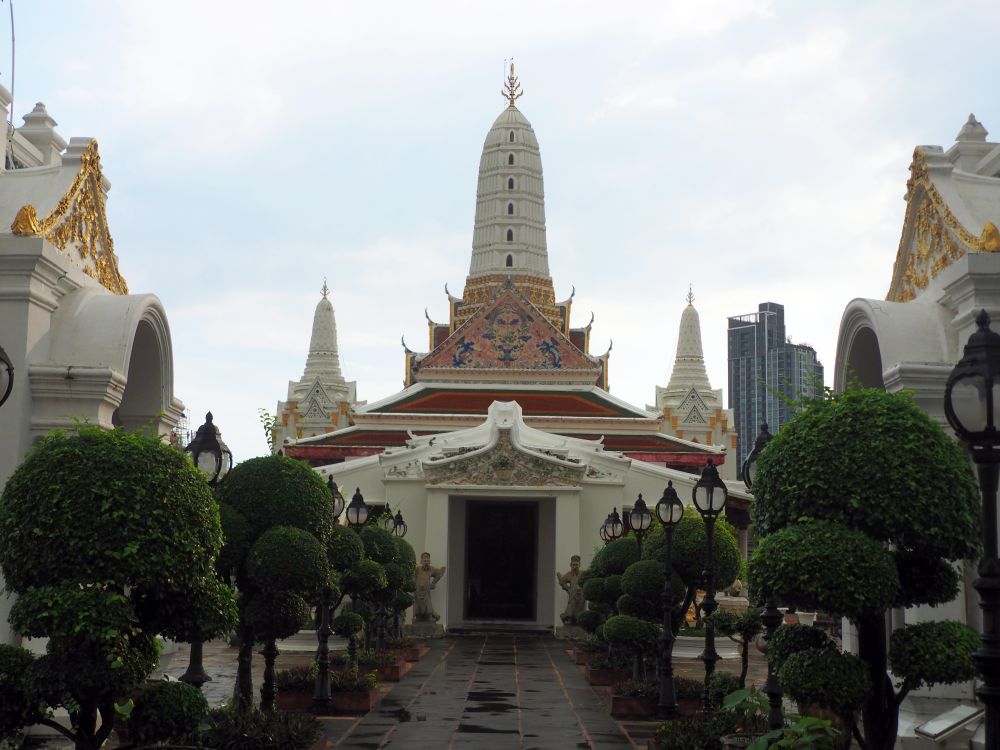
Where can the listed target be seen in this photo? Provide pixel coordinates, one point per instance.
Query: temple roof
(953, 208)
(689, 364)
(508, 335)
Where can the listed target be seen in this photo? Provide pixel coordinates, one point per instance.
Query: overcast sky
(756, 150)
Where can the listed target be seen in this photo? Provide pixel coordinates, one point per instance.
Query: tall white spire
(509, 235)
(689, 364)
(323, 362)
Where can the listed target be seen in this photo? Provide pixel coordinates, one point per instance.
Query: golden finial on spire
(690, 297)
(325, 289)
(512, 88)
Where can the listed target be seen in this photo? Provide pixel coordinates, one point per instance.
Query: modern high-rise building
(766, 373)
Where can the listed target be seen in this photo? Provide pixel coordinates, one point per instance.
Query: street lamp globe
(338, 498)
(710, 493)
(613, 526)
(604, 530)
(212, 456)
(640, 519)
(670, 509)
(386, 521)
(971, 397)
(357, 511)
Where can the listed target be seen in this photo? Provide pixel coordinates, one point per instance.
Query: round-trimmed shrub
(612, 587)
(721, 684)
(689, 548)
(379, 544)
(593, 590)
(590, 620)
(405, 554)
(824, 566)
(117, 507)
(929, 653)
(790, 639)
(347, 624)
(344, 547)
(826, 677)
(278, 491)
(167, 712)
(644, 579)
(277, 614)
(364, 579)
(237, 538)
(615, 557)
(16, 706)
(924, 580)
(631, 633)
(285, 558)
(904, 470)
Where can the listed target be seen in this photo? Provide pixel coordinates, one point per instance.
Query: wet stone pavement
(490, 692)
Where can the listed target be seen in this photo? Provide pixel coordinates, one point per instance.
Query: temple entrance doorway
(501, 560)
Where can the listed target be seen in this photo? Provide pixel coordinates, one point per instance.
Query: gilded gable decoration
(504, 465)
(79, 222)
(933, 238)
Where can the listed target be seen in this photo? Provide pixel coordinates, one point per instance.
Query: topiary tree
(633, 636)
(281, 514)
(852, 475)
(689, 556)
(18, 707)
(126, 520)
(167, 712)
(742, 627)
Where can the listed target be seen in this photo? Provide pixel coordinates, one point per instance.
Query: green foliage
(750, 707)
(379, 544)
(93, 526)
(237, 535)
(230, 729)
(826, 677)
(631, 633)
(826, 566)
(365, 579)
(285, 558)
(296, 678)
(347, 624)
(643, 579)
(278, 491)
(351, 680)
(929, 653)
(615, 557)
(613, 587)
(637, 689)
(686, 688)
(344, 547)
(790, 639)
(406, 556)
(721, 684)
(689, 553)
(740, 626)
(694, 733)
(18, 708)
(805, 733)
(590, 620)
(277, 614)
(167, 712)
(924, 580)
(909, 483)
(205, 611)
(116, 507)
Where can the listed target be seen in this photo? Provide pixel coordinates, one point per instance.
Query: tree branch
(856, 731)
(58, 727)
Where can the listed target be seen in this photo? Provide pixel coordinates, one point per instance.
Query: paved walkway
(493, 691)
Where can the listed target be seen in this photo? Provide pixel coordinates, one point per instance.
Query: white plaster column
(567, 543)
(436, 543)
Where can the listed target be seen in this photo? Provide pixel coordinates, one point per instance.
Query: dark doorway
(500, 560)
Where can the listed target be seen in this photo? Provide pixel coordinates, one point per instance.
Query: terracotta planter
(583, 658)
(626, 707)
(689, 706)
(354, 702)
(738, 741)
(294, 701)
(605, 676)
(416, 653)
(393, 672)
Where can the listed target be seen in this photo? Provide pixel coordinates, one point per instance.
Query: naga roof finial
(512, 88)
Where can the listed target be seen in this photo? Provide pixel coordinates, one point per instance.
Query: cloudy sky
(756, 150)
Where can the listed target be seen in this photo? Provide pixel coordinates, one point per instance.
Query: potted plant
(295, 688)
(353, 692)
(633, 699)
(805, 733)
(604, 670)
(586, 649)
(689, 694)
(407, 648)
(387, 666)
(749, 709)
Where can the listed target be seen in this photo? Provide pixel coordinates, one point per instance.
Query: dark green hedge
(614, 557)
(826, 677)
(790, 639)
(689, 550)
(17, 708)
(285, 558)
(344, 548)
(924, 580)
(929, 653)
(167, 712)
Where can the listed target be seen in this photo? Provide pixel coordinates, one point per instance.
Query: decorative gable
(504, 465)
(508, 333)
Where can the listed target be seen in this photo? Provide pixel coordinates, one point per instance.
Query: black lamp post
(670, 511)
(709, 497)
(972, 407)
(640, 519)
(214, 459)
(613, 526)
(338, 499)
(603, 532)
(357, 511)
(770, 617)
(399, 526)
(386, 521)
(6, 376)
